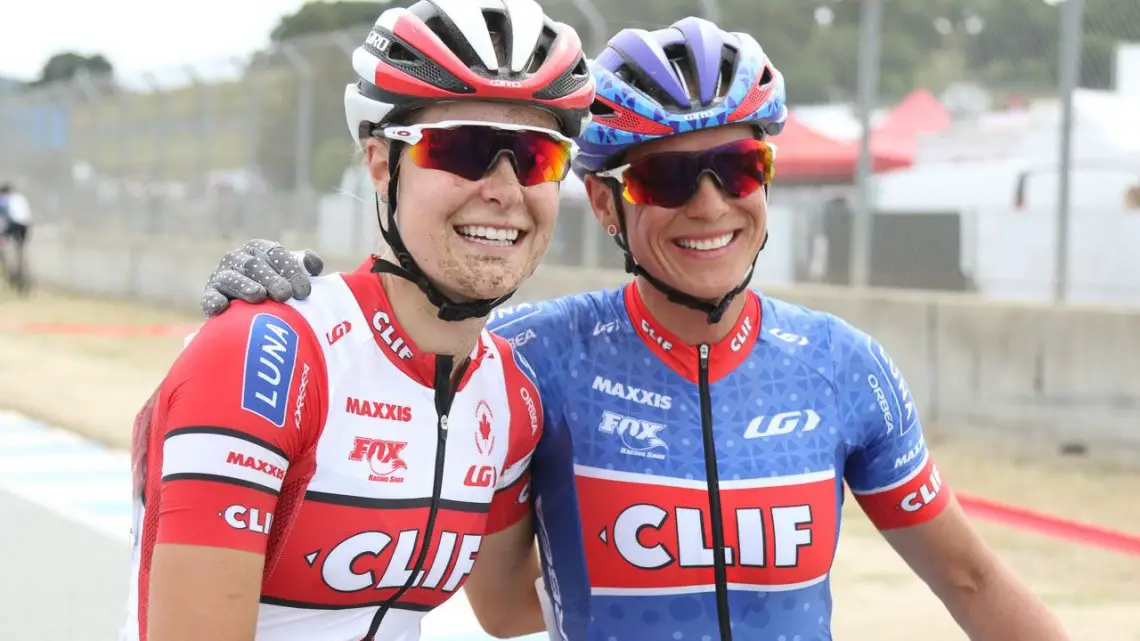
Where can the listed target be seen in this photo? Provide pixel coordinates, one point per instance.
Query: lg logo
(783, 423)
(788, 338)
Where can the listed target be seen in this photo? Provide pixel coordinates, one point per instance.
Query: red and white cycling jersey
(310, 432)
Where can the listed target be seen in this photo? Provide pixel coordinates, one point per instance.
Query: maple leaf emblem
(483, 440)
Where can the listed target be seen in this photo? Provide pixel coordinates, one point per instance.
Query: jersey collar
(724, 357)
(393, 341)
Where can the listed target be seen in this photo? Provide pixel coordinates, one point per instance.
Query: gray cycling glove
(260, 269)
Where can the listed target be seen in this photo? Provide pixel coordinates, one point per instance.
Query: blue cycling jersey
(694, 492)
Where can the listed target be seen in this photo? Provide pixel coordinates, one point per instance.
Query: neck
(687, 324)
(417, 317)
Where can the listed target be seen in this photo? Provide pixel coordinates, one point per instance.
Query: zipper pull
(443, 422)
(704, 353)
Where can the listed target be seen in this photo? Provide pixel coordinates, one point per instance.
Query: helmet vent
(541, 50)
(498, 27)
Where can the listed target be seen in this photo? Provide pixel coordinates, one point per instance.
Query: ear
(376, 157)
(601, 196)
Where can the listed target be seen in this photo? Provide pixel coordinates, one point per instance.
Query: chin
(710, 287)
(485, 286)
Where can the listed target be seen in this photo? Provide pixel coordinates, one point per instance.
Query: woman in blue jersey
(698, 437)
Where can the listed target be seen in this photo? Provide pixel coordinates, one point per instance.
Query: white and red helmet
(487, 50)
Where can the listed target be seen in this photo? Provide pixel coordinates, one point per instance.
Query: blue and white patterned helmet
(689, 76)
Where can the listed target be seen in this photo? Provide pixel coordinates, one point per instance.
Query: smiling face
(475, 239)
(704, 247)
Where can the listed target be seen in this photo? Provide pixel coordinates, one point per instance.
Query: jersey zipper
(444, 396)
(720, 567)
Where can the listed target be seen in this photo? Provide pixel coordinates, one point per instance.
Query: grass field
(95, 384)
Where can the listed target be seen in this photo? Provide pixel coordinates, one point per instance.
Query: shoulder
(819, 334)
(253, 325)
(836, 348)
(521, 386)
(559, 318)
(866, 379)
(807, 335)
(254, 352)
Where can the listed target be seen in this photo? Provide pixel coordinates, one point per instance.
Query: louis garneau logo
(638, 437)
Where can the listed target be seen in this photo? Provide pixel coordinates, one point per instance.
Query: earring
(612, 230)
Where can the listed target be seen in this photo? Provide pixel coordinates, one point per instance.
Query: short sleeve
(511, 501)
(243, 400)
(890, 471)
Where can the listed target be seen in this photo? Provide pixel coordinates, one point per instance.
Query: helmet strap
(449, 310)
(714, 311)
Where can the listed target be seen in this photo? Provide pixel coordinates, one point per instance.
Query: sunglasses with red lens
(670, 179)
(471, 149)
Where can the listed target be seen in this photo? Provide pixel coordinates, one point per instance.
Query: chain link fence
(966, 102)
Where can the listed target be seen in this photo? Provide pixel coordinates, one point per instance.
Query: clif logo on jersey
(639, 437)
(383, 458)
(240, 517)
(270, 357)
(382, 323)
(741, 337)
(650, 535)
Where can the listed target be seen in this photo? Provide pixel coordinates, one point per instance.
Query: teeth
(706, 244)
(489, 235)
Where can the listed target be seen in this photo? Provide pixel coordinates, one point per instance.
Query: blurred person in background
(15, 227)
(329, 469)
(698, 437)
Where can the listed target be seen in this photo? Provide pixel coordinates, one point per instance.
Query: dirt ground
(95, 384)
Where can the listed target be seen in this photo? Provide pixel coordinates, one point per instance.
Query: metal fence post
(304, 141)
(870, 31)
(1070, 45)
(589, 254)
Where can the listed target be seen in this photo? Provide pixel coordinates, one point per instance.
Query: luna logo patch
(270, 357)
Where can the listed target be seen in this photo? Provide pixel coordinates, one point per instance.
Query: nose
(501, 186)
(709, 202)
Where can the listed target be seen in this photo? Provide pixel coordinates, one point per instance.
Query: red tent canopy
(807, 156)
(918, 113)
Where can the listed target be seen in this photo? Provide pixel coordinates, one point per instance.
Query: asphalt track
(65, 517)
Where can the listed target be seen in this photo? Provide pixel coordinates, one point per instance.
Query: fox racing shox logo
(383, 458)
(639, 437)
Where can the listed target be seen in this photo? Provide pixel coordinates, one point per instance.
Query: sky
(135, 35)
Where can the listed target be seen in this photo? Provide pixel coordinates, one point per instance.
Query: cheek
(645, 225)
(542, 201)
(756, 208)
(431, 194)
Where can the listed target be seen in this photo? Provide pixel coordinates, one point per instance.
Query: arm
(983, 595)
(222, 432)
(894, 478)
(186, 602)
(501, 587)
